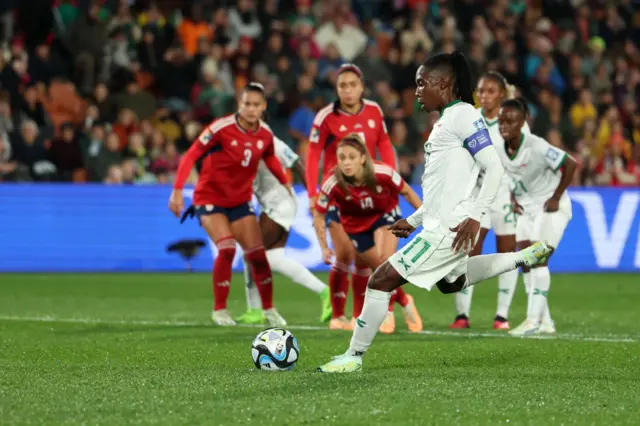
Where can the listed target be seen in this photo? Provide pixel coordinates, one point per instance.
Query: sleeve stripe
(329, 184)
(322, 114)
(216, 126)
(383, 170)
(564, 157)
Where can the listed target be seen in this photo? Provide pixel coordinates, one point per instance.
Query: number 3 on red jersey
(247, 158)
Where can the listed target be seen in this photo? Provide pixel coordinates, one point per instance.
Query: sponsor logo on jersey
(552, 154)
(348, 198)
(372, 124)
(315, 136)
(206, 136)
(479, 124)
(260, 144)
(343, 128)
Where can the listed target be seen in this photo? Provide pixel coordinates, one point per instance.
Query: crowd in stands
(115, 90)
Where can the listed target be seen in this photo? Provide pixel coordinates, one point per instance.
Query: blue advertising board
(75, 228)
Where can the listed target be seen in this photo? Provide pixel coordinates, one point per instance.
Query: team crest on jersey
(315, 136)
(479, 124)
(552, 154)
(260, 144)
(372, 124)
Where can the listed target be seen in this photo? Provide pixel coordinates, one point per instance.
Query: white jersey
(451, 173)
(266, 187)
(534, 170)
(498, 142)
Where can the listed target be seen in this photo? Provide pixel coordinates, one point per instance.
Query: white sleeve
(415, 219)
(554, 157)
(285, 154)
(490, 162)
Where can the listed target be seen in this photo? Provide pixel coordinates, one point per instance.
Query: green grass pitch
(140, 349)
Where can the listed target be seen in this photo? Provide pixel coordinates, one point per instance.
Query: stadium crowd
(115, 90)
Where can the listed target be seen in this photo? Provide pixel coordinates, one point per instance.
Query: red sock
(401, 297)
(339, 287)
(359, 282)
(392, 300)
(261, 271)
(222, 272)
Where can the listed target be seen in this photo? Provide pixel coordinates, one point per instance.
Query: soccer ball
(275, 349)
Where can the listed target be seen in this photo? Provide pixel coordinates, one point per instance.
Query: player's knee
(446, 287)
(384, 279)
(226, 248)
(345, 256)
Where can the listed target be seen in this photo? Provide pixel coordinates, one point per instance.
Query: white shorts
(282, 211)
(428, 258)
(543, 226)
(500, 217)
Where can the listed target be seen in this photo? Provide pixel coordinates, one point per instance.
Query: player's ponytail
(464, 84)
(355, 140)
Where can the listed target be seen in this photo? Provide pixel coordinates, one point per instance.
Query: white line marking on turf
(179, 323)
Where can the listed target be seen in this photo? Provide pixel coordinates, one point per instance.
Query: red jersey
(329, 127)
(231, 165)
(360, 207)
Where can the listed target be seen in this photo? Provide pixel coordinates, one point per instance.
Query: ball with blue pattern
(275, 349)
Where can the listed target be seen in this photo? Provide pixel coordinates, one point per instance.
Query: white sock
(463, 301)
(541, 281)
(546, 315)
(376, 304)
(288, 267)
(526, 278)
(480, 268)
(250, 289)
(506, 287)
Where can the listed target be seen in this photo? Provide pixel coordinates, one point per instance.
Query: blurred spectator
(130, 84)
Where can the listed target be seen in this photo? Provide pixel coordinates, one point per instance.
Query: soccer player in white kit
(541, 174)
(492, 90)
(458, 146)
(278, 210)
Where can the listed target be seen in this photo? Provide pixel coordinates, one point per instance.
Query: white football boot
(535, 254)
(274, 319)
(527, 328)
(222, 318)
(345, 363)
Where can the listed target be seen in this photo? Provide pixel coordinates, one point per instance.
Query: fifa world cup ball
(275, 349)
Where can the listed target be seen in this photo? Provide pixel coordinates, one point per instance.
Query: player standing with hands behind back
(350, 113)
(457, 148)
(232, 148)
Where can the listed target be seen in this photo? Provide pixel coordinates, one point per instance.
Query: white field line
(178, 323)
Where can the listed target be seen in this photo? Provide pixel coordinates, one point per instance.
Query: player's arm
(557, 160)
(317, 140)
(410, 195)
(387, 153)
(319, 212)
(273, 164)
(300, 170)
(289, 159)
(202, 144)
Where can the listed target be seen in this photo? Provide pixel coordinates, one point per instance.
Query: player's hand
(401, 228)
(517, 208)
(327, 255)
(466, 233)
(176, 202)
(551, 205)
(290, 189)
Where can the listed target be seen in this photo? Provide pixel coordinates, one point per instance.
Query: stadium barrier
(76, 228)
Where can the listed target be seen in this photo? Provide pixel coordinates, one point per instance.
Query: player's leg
(339, 275)
(463, 297)
(245, 228)
(387, 244)
(548, 227)
(219, 231)
(359, 280)
(507, 283)
(275, 238)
